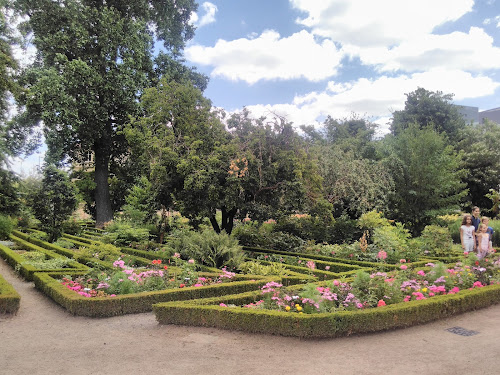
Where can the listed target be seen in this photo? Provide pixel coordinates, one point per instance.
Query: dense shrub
(436, 241)
(71, 227)
(6, 227)
(208, 248)
(123, 234)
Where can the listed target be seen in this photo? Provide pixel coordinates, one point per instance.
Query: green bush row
(91, 262)
(207, 313)
(97, 307)
(9, 298)
(359, 263)
(27, 270)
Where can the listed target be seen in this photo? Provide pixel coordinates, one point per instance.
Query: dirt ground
(44, 339)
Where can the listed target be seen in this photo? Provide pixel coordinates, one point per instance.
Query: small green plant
(106, 252)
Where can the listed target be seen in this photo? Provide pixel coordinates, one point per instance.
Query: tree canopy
(94, 60)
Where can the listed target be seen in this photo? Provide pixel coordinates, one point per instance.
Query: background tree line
(97, 86)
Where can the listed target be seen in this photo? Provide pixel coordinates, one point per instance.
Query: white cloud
(377, 98)
(208, 18)
(378, 23)
(472, 51)
(269, 57)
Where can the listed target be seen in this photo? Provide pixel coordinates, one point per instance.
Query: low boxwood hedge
(26, 270)
(208, 313)
(9, 298)
(50, 285)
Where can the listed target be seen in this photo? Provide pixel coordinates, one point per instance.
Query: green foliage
(394, 241)
(106, 252)
(436, 241)
(56, 201)
(71, 227)
(140, 204)
(10, 203)
(6, 226)
(480, 145)
(121, 233)
(371, 220)
(41, 262)
(61, 242)
(429, 109)
(256, 268)
(494, 197)
(209, 248)
(94, 62)
(427, 175)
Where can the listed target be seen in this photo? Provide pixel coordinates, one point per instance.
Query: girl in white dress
(467, 234)
(483, 241)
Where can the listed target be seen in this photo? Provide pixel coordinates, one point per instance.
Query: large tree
(427, 175)
(429, 109)
(199, 167)
(95, 57)
(481, 154)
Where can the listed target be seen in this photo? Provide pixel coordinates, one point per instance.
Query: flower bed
(50, 284)
(9, 298)
(369, 303)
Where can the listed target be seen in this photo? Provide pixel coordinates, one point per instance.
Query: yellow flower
(287, 308)
(299, 308)
(424, 290)
(301, 312)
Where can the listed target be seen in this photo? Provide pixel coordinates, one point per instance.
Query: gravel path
(44, 339)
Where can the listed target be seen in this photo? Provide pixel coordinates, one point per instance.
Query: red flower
(477, 263)
(182, 286)
(381, 303)
(158, 261)
(166, 267)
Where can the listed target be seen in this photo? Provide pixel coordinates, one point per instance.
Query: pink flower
(454, 290)
(327, 268)
(311, 265)
(336, 282)
(403, 267)
(407, 298)
(381, 303)
(421, 273)
(402, 261)
(191, 261)
(222, 305)
(382, 254)
(477, 284)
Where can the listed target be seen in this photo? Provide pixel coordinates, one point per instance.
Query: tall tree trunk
(104, 212)
(227, 219)
(214, 223)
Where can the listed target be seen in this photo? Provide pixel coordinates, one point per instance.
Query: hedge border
(27, 270)
(206, 313)
(10, 300)
(76, 304)
(360, 263)
(92, 262)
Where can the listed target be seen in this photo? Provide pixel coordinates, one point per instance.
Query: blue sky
(306, 59)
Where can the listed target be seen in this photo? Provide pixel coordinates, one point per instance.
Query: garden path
(44, 339)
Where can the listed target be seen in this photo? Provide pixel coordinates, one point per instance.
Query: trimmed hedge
(206, 313)
(97, 307)
(9, 298)
(91, 262)
(27, 270)
(359, 263)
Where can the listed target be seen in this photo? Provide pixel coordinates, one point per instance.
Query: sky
(307, 59)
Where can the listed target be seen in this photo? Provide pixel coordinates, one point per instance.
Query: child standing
(483, 241)
(486, 221)
(467, 234)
